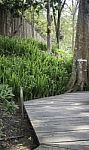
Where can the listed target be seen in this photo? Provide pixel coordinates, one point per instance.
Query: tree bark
(73, 31)
(32, 20)
(54, 17)
(58, 27)
(48, 27)
(73, 24)
(73, 12)
(80, 71)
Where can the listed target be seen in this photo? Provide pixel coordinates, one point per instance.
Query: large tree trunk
(80, 70)
(73, 12)
(4, 24)
(73, 24)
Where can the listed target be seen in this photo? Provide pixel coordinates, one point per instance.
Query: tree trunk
(32, 21)
(58, 20)
(73, 12)
(54, 17)
(58, 27)
(48, 27)
(73, 31)
(73, 24)
(80, 70)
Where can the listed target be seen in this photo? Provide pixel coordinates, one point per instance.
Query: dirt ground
(16, 132)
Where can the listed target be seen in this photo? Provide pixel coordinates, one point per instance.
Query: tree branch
(62, 6)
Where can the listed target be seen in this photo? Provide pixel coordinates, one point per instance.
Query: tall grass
(22, 63)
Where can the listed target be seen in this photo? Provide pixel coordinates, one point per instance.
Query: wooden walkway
(61, 121)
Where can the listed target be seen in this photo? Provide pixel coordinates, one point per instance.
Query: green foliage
(5, 92)
(6, 98)
(22, 63)
(17, 47)
(17, 7)
(40, 20)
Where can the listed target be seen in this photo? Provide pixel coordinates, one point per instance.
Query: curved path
(61, 120)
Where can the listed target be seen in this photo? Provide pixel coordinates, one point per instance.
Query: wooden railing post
(22, 101)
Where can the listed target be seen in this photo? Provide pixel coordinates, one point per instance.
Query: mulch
(16, 132)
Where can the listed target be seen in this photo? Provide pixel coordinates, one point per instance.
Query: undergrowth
(25, 63)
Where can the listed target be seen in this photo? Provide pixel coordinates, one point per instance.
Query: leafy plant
(6, 98)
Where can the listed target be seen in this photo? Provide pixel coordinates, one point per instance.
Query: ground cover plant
(25, 62)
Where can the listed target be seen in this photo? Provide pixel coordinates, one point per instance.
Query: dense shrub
(40, 74)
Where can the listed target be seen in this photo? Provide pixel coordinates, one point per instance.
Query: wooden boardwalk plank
(62, 120)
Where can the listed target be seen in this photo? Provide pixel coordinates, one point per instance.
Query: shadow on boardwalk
(61, 120)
